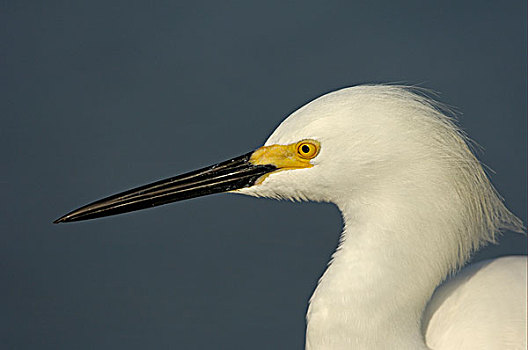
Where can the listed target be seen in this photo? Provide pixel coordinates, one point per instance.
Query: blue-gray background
(100, 96)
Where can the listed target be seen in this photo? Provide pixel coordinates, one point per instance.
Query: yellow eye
(307, 149)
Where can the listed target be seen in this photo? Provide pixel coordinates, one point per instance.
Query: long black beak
(230, 175)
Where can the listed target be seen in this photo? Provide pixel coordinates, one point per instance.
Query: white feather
(416, 204)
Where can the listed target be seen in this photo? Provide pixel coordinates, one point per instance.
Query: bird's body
(482, 307)
(416, 204)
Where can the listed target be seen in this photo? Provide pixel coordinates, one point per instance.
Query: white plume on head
(391, 147)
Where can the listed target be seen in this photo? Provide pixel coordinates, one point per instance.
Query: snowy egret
(415, 203)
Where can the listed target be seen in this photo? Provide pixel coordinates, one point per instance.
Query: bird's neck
(373, 293)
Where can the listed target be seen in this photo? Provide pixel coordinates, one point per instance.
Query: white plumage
(482, 307)
(416, 204)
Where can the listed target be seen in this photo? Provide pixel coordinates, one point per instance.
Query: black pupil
(305, 149)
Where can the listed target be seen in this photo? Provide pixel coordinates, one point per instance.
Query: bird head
(383, 142)
(340, 145)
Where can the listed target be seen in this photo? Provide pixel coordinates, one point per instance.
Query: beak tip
(61, 220)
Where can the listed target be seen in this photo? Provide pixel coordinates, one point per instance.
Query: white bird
(416, 204)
